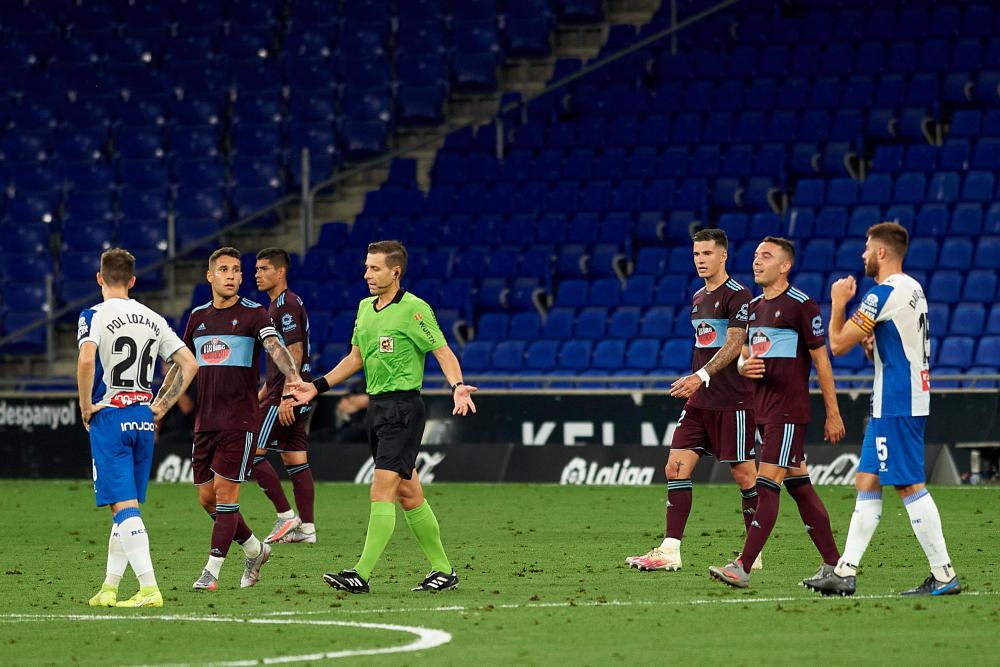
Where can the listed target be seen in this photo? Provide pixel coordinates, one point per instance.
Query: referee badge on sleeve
(385, 344)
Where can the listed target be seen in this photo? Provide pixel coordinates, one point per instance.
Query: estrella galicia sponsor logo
(759, 343)
(742, 314)
(288, 323)
(386, 344)
(706, 333)
(580, 471)
(215, 351)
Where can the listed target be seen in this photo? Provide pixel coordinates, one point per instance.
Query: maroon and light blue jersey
(712, 315)
(782, 332)
(289, 316)
(227, 345)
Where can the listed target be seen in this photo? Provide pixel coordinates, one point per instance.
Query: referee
(393, 333)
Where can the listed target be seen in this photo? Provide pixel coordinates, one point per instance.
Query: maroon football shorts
(783, 445)
(290, 438)
(227, 454)
(725, 434)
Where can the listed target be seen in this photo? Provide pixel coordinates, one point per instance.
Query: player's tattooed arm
(181, 370)
(296, 350)
(282, 358)
(733, 347)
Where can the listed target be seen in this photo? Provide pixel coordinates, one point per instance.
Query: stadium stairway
(522, 75)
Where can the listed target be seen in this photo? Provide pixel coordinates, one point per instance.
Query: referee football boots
(347, 580)
(106, 597)
(437, 581)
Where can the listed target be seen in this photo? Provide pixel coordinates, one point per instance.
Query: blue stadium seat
(476, 356)
(605, 292)
(671, 290)
(945, 286)
(26, 237)
(932, 220)
(658, 322)
(938, 315)
(988, 253)
(968, 320)
(509, 355)
(980, 285)
(492, 326)
(988, 351)
(88, 235)
(956, 253)
(956, 351)
(575, 354)
(609, 355)
(541, 355)
(591, 323)
(676, 355)
(922, 253)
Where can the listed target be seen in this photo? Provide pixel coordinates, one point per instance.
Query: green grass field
(543, 579)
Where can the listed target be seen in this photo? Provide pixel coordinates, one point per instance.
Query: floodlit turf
(543, 580)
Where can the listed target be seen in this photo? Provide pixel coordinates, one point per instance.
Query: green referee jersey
(394, 342)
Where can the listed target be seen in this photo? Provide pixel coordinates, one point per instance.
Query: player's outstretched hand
(833, 430)
(463, 399)
(752, 368)
(299, 393)
(843, 290)
(685, 386)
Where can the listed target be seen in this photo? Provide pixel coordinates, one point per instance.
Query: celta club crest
(717, 305)
(777, 314)
(760, 344)
(705, 334)
(235, 322)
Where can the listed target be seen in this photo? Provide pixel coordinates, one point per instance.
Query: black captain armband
(321, 384)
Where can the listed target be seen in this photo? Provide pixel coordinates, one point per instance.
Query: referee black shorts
(395, 428)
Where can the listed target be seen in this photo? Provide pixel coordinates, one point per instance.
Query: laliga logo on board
(215, 351)
(706, 333)
(579, 471)
(759, 343)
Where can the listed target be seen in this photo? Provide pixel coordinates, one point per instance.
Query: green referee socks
(381, 523)
(424, 526)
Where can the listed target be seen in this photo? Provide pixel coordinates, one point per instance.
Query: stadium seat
(968, 320)
(956, 351)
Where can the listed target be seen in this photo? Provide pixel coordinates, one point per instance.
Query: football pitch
(543, 580)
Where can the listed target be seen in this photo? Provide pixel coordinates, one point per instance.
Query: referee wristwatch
(456, 386)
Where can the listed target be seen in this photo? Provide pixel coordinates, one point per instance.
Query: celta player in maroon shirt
(226, 335)
(786, 338)
(717, 418)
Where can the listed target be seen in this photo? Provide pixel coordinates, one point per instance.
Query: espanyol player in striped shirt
(891, 323)
(119, 340)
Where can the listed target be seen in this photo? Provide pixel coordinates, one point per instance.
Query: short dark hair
(394, 251)
(277, 256)
(225, 251)
(891, 234)
(712, 234)
(783, 243)
(117, 267)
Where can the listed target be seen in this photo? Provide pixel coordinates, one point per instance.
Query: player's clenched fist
(843, 290)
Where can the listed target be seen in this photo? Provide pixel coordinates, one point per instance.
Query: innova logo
(706, 333)
(759, 343)
(581, 471)
(215, 351)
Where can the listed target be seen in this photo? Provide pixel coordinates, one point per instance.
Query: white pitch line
(427, 638)
(608, 603)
